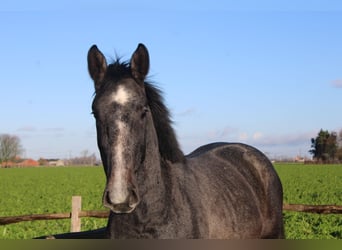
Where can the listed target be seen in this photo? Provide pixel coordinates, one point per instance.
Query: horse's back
(239, 190)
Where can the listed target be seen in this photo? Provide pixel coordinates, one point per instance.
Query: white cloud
(222, 134)
(27, 128)
(228, 131)
(243, 136)
(257, 136)
(187, 112)
(277, 144)
(56, 129)
(283, 139)
(337, 83)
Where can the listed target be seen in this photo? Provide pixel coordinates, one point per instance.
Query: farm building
(28, 163)
(55, 162)
(21, 163)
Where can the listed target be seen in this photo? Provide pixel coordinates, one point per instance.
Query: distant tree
(339, 154)
(84, 159)
(43, 162)
(339, 146)
(324, 146)
(339, 139)
(10, 147)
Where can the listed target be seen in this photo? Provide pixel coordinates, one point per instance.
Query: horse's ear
(140, 62)
(97, 65)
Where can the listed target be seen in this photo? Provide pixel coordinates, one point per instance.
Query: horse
(219, 191)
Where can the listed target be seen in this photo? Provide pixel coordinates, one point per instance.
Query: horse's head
(120, 108)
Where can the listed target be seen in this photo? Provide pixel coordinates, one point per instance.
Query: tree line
(10, 147)
(11, 150)
(327, 147)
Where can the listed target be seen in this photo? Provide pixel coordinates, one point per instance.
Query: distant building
(7, 164)
(55, 162)
(28, 163)
(20, 163)
(299, 159)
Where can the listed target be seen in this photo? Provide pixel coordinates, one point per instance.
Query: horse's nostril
(107, 198)
(126, 205)
(134, 198)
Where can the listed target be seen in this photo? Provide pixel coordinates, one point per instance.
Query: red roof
(28, 163)
(24, 163)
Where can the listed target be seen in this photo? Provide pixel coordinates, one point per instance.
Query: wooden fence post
(75, 211)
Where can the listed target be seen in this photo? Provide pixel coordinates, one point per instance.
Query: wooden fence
(76, 213)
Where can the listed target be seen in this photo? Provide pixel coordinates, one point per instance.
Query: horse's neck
(150, 181)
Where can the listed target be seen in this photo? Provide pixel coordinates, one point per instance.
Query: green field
(49, 190)
(312, 185)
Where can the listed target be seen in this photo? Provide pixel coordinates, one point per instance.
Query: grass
(312, 185)
(49, 190)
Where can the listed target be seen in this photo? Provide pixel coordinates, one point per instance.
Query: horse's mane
(168, 145)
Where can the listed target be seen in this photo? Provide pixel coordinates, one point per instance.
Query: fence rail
(317, 209)
(77, 213)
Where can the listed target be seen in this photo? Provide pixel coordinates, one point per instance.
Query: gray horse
(221, 190)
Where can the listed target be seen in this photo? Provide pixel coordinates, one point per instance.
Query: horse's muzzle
(125, 206)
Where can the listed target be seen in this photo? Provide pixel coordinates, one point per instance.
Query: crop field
(49, 190)
(312, 185)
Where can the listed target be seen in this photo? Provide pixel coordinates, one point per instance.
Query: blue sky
(266, 74)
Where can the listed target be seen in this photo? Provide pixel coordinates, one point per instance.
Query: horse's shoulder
(233, 154)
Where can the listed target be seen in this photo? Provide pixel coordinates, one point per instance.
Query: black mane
(118, 70)
(168, 145)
